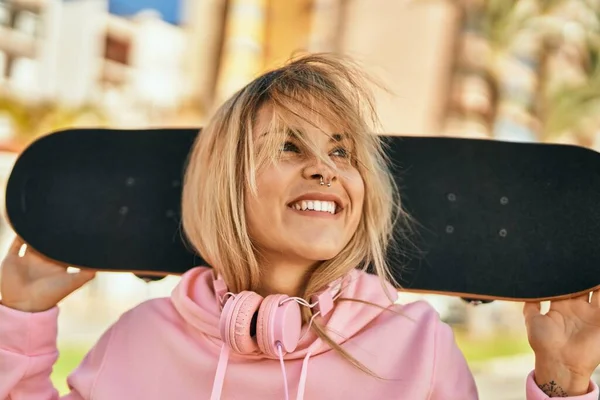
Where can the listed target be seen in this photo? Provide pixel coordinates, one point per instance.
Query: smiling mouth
(327, 207)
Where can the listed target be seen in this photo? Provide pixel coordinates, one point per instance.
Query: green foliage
(568, 106)
(31, 119)
(558, 108)
(69, 358)
(478, 351)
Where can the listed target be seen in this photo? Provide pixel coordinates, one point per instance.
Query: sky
(169, 9)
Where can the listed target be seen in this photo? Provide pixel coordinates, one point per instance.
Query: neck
(285, 278)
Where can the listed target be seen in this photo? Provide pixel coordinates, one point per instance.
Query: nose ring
(322, 183)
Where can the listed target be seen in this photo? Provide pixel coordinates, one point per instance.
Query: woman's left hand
(566, 343)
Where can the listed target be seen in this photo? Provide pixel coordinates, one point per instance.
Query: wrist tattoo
(553, 390)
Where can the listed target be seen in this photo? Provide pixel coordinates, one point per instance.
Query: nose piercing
(322, 183)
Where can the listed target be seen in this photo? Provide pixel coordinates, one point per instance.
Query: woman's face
(284, 220)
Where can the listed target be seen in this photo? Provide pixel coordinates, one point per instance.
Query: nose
(318, 171)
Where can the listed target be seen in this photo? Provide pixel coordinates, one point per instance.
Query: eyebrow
(296, 134)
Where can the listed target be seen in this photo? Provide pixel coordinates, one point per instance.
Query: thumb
(531, 309)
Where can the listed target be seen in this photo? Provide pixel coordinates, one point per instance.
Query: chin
(318, 252)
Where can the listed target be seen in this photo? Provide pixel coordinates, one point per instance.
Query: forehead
(296, 120)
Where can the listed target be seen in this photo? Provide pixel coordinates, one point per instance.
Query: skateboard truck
(150, 278)
(475, 302)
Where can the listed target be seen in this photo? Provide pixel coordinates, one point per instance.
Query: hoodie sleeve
(28, 351)
(451, 379)
(535, 393)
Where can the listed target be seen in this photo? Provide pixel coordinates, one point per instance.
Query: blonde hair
(224, 161)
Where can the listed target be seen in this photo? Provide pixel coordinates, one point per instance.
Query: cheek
(355, 187)
(262, 207)
(256, 215)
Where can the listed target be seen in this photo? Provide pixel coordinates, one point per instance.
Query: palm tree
(506, 45)
(570, 98)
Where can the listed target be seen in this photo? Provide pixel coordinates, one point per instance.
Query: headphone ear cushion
(278, 323)
(236, 320)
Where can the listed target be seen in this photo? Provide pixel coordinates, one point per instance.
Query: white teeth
(316, 205)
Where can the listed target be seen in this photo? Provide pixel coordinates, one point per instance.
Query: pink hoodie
(169, 348)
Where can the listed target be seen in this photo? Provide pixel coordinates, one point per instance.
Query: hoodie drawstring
(220, 375)
(303, 375)
(302, 382)
(285, 383)
(222, 367)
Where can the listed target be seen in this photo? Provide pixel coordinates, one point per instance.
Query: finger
(80, 278)
(595, 298)
(531, 309)
(565, 304)
(584, 297)
(33, 255)
(16, 245)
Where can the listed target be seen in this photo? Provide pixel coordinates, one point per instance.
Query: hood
(195, 300)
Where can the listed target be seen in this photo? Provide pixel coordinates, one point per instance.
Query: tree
(31, 119)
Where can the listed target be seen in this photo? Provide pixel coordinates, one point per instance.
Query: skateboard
(489, 220)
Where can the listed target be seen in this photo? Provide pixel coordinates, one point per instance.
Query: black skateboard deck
(492, 220)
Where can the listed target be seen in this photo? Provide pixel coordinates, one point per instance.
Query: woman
(288, 195)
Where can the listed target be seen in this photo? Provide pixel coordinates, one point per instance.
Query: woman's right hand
(33, 283)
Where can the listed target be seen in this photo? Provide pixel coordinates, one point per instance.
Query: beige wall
(287, 30)
(409, 45)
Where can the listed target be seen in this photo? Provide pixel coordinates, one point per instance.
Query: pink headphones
(277, 318)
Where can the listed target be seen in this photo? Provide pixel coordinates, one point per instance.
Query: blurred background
(517, 70)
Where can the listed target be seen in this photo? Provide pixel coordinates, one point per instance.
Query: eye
(340, 152)
(289, 146)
